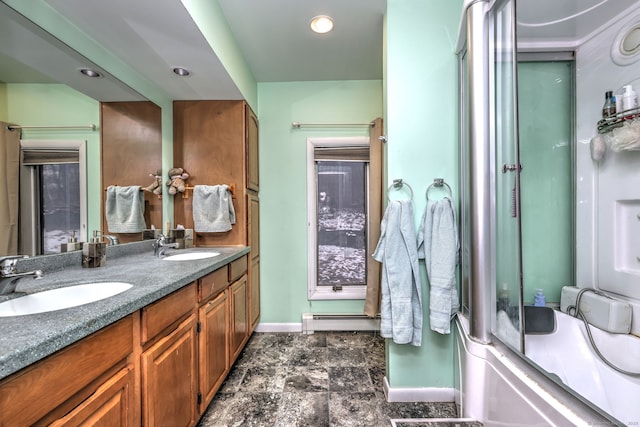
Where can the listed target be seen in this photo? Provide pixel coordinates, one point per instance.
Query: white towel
(125, 209)
(213, 210)
(438, 246)
(401, 289)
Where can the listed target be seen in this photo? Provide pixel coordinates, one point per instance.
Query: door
(508, 265)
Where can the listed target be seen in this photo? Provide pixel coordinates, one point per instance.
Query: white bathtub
(500, 388)
(568, 354)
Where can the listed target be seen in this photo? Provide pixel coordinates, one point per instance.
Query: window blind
(357, 153)
(37, 157)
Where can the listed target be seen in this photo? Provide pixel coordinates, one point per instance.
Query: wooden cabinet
(254, 294)
(109, 406)
(239, 316)
(254, 265)
(209, 143)
(214, 346)
(169, 380)
(131, 149)
(169, 388)
(72, 379)
(252, 164)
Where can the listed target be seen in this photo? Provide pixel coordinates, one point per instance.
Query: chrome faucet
(9, 277)
(113, 240)
(160, 245)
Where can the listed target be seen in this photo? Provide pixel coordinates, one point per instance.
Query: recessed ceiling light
(181, 71)
(90, 73)
(321, 24)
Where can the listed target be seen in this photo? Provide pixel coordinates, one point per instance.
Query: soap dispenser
(94, 253)
(72, 243)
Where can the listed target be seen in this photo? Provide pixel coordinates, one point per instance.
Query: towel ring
(397, 185)
(438, 183)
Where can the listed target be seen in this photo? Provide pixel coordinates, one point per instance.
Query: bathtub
(498, 387)
(567, 354)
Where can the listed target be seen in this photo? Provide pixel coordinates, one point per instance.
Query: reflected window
(52, 195)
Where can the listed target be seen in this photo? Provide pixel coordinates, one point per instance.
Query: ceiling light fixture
(181, 71)
(321, 24)
(90, 73)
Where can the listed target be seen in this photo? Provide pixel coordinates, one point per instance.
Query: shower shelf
(610, 123)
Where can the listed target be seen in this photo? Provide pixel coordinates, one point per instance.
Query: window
(52, 194)
(338, 200)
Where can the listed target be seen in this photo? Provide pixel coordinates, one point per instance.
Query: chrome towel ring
(398, 185)
(439, 183)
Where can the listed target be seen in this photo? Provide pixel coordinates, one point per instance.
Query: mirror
(41, 85)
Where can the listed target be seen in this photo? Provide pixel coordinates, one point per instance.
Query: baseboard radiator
(312, 322)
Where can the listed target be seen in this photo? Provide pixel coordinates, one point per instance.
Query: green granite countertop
(27, 339)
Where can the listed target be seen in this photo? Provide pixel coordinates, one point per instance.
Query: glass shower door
(508, 265)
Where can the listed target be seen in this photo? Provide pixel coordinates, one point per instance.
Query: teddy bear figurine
(156, 186)
(176, 182)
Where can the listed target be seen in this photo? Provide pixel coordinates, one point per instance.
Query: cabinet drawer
(33, 392)
(237, 268)
(161, 314)
(213, 283)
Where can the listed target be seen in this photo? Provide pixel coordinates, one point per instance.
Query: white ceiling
(152, 36)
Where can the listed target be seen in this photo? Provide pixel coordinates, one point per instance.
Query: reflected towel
(401, 304)
(125, 209)
(438, 246)
(213, 210)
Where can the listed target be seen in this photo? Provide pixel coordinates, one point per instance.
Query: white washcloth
(125, 209)
(213, 210)
(401, 289)
(438, 246)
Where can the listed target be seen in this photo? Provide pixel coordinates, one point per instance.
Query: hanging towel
(401, 304)
(125, 209)
(438, 246)
(213, 210)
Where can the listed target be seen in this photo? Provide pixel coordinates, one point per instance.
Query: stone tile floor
(330, 379)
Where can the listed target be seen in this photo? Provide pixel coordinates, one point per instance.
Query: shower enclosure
(518, 172)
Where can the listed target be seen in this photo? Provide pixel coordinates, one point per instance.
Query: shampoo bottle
(629, 98)
(609, 107)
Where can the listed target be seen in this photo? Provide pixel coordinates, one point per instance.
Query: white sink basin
(58, 299)
(190, 256)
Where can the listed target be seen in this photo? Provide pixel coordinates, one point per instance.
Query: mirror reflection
(67, 137)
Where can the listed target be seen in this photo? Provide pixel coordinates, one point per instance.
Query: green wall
(283, 184)
(59, 105)
(4, 107)
(422, 123)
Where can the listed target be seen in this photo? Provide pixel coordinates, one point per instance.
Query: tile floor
(323, 379)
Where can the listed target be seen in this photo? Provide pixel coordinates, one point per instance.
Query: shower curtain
(9, 188)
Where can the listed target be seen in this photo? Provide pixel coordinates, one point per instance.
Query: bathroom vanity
(153, 355)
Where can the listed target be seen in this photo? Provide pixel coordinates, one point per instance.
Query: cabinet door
(169, 389)
(110, 406)
(239, 319)
(253, 218)
(214, 346)
(252, 150)
(254, 293)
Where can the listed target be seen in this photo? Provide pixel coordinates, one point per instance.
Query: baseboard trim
(279, 327)
(418, 394)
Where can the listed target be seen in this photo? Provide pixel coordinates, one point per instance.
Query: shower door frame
(478, 169)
